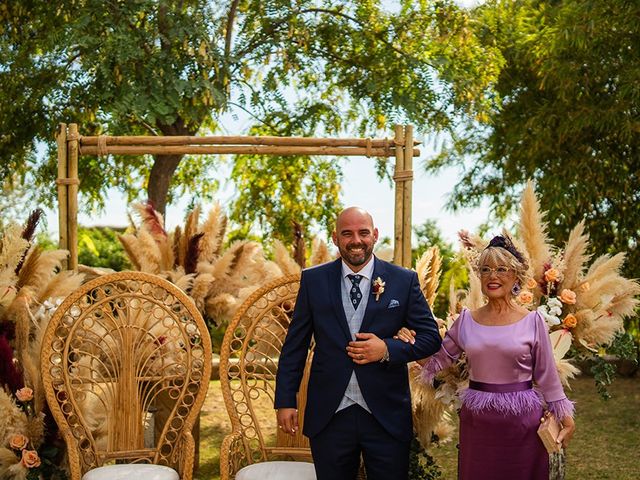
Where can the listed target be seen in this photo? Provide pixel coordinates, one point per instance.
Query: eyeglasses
(500, 270)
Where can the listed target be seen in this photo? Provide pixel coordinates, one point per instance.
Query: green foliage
(568, 101)
(453, 264)
(422, 466)
(179, 68)
(100, 247)
(603, 369)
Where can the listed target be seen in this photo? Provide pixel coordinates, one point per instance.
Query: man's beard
(357, 259)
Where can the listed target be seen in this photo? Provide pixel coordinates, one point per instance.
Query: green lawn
(606, 444)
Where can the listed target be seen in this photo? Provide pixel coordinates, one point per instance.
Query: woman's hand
(565, 435)
(406, 335)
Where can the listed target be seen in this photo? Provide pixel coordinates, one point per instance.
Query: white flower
(548, 316)
(555, 306)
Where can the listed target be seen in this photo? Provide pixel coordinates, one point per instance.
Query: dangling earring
(515, 290)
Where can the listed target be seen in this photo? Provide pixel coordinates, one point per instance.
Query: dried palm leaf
(429, 269)
(152, 220)
(61, 285)
(473, 298)
(193, 253)
(214, 229)
(29, 267)
(148, 252)
(221, 269)
(190, 229)
(220, 308)
(129, 243)
(575, 256)
(533, 231)
(200, 289)
(567, 371)
(319, 252)
(12, 247)
(284, 260)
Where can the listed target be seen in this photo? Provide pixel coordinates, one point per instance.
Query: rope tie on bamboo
(368, 147)
(102, 146)
(403, 176)
(67, 181)
(386, 147)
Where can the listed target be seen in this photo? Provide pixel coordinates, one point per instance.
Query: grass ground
(606, 444)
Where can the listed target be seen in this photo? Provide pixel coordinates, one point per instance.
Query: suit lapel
(373, 306)
(335, 292)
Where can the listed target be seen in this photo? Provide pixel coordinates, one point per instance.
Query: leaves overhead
(569, 103)
(182, 68)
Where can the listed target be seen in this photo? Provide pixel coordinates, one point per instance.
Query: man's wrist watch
(385, 357)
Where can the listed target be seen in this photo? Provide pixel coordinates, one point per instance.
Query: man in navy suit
(358, 400)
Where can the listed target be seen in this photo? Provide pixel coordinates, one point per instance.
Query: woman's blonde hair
(501, 251)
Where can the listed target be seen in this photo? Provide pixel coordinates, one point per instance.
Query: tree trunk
(160, 179)
(165, 166)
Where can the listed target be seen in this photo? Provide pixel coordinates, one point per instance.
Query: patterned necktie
(355, 293)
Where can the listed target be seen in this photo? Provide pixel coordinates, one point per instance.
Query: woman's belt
(501, 387)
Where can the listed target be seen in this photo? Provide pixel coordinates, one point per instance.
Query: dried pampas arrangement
(32, 284)
(196, 257)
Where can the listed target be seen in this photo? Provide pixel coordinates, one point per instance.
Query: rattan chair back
(126, 361)
(248, 365)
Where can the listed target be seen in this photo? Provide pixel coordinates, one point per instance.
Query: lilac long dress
(500, 410)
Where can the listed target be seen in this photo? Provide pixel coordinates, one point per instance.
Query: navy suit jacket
(385, 386)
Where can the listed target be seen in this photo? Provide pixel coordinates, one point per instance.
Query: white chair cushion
(132, 471)
(278, 471)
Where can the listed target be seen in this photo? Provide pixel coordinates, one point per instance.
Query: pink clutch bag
(548, 432)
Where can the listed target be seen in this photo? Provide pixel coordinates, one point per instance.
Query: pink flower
(17, 441)
(30, 459)
(552, 275)
(568, 296)
(24, 394)
(570, 321)
(584, 287)
(525, 297)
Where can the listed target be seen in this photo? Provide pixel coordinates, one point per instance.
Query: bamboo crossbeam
(237, 149)
(238, 140)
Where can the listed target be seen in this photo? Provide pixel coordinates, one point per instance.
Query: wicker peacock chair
(126, 361)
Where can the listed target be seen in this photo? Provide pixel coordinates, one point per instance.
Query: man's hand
(367, 348)
(288, 420)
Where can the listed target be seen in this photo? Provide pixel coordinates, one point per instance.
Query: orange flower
(24, 394)
(568, 296)
(30, 459)
(525, 297)
(584, 287)
(17, 441)
(552, 275)
(570, 321)
(531, 283)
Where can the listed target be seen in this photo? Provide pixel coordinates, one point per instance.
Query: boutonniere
(377, 288)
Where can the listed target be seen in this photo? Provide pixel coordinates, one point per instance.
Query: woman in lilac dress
(508, 351)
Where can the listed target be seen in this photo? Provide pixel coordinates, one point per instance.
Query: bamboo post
(408, 196)
(61, 140)
(399, 184)
(72, 213)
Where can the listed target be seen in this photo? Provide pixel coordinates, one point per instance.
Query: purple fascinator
(503, 241)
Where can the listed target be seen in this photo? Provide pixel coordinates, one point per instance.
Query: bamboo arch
(71, 145)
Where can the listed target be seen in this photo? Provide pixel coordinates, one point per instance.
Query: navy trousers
(351, 432)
